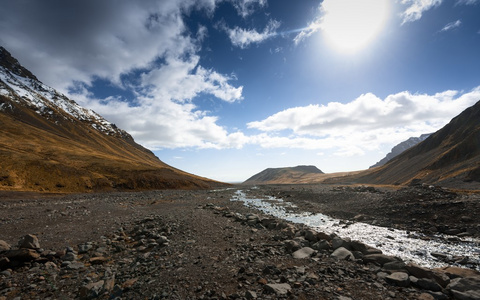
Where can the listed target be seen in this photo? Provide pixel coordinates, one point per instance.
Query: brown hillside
(449, 157)
(51, 150)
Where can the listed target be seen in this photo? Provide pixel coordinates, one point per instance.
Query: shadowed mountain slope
(449, 157)
(400, 148)
(49, 143)
(297, 174)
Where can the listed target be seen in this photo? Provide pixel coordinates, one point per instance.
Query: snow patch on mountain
(45, 101)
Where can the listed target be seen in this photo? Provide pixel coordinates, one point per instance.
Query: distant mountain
(449, 157)
(284, 175)
(50, 143)
(400, 148)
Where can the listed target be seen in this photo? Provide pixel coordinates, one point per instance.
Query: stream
(409, 246)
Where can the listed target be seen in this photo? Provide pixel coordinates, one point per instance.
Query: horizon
(227, 89)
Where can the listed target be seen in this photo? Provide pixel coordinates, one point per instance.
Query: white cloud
(243, 38)
(246, 7)
(416, 8)
(451, 25)
(363, 124)
(467, 2)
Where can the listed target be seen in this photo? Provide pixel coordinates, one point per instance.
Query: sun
(350, 25)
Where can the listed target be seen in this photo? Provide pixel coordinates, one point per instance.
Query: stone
(380, 259)
(425, 296)
(399, 279)
(98, 260)
(29, 241)
(394, 265)
(311, 236)
(438, 295)
(162, 240)
(420, 272)
(425, 284)
(321, 245)
(91, 291)
(69, 256)
(292, 245)
(338, 242)
(303, 253)
(342, 253)
(84, 248)
(465, 288)
(22, 254)
(277, 288)
(4, 246)
(250, 295)
(455, 272)
(4, 262)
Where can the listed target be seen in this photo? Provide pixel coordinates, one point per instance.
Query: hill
(50, 143)
(297, 174)
(449, 157)
(396, 150)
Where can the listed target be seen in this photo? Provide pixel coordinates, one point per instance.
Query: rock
(425, 296)
(465, 288)
(380, 259)
(303, 253)
(323, 236)
(311, 236)
(22, 254)
(338, 242)
(455, 272)
(277, 288)
(162, 240)
(394, 265)
(292, 245)
(91, 291)
(342, 253)
(321, 245)
(69, 256)
(250, 295)
(4, 246)
(98, 260)
(421, 272)
(399, 279)
(29, 241)
(425, 284)
(438, 295)
(4, 263)
(84, 248)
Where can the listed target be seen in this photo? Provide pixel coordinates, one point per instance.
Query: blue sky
(225, 89)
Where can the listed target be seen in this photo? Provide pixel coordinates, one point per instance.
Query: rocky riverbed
(202, 245)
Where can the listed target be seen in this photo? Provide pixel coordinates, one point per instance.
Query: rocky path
(194, 245)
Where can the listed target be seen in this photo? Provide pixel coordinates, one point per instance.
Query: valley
(179, 244)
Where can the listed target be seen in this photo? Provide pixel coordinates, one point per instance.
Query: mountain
(400, 148)
(449, 157)
(297, 174)
(50, 143)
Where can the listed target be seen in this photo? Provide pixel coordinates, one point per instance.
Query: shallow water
(411, 246)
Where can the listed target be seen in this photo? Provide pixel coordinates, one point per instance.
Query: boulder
(321, 245)
(292, 245)
(425, 284)
(420, 272)
(465, 288)
(342, 253)
(4, 246)
(29, 241)
(455, 272)
(303, 253)
(399, 279)
(22, 254)
(380, 259)
(311, 236)
(277, 288)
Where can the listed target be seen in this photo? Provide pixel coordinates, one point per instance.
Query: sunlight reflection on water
(411, 247)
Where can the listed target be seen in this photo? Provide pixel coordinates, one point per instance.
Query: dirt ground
(200, 245)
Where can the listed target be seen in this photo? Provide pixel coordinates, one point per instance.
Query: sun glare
(350, 25)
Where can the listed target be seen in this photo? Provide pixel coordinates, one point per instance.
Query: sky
(226, 89)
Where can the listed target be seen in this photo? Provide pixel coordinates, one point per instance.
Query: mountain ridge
(279, 175)
(50, 143)
(401, 147)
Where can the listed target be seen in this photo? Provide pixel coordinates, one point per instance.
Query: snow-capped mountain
(400, 148)
(20, 85)
(50, 143)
